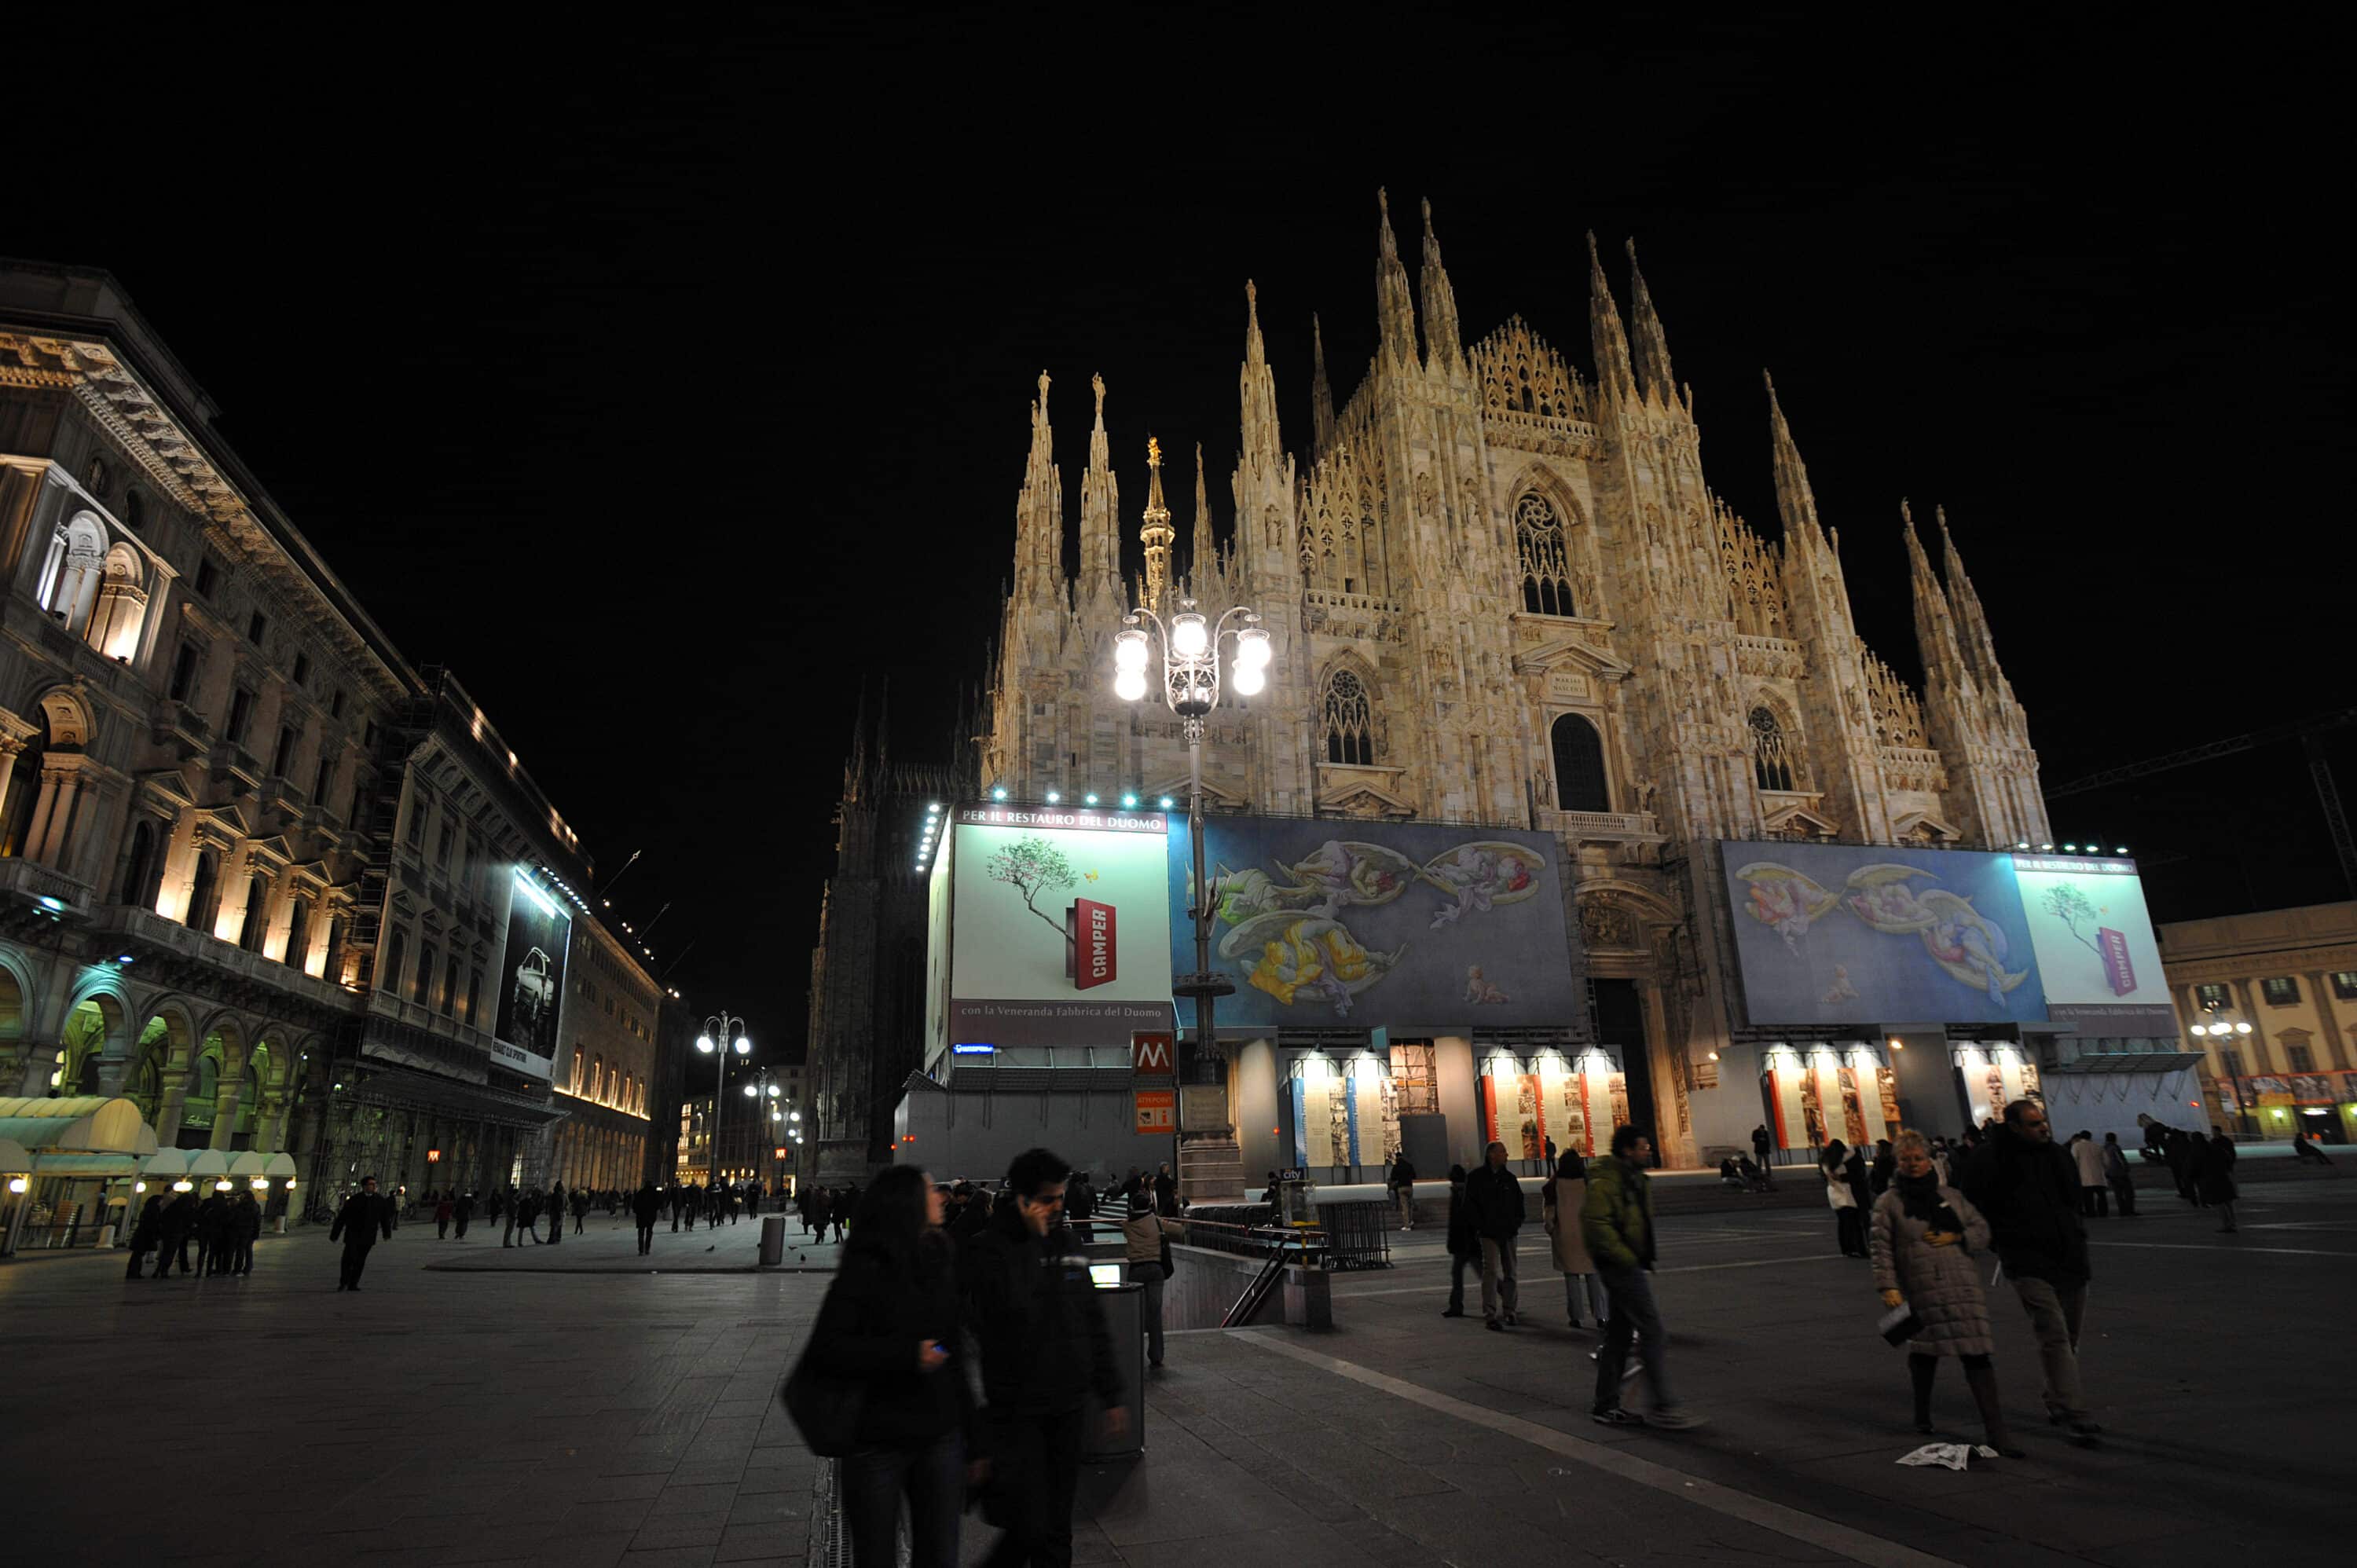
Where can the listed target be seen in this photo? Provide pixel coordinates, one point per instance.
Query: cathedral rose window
(1350, 720)
(1547, 564)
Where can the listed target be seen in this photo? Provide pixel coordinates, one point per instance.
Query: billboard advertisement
(1322, 923)
(532, 987)
(1059, 925)
(2098, 959)
(1830, 934)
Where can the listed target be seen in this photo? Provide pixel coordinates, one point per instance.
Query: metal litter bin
(1122, 1303)
(773, 1239)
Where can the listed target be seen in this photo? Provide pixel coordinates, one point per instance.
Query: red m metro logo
(1090, 953)
(1149, 1054)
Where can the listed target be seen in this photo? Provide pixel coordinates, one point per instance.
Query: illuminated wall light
(1054, 796)
(999, 793)
(1167, 802)
(1089, 799)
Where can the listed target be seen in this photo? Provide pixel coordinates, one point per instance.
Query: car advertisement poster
(1830, 934)
(1412, 926)
(1060, 926)
(2098, 960)
(531, 987)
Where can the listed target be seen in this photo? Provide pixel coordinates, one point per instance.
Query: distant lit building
(2275, 997)
(752, 1129)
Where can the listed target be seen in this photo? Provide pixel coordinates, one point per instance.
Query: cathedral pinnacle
(1795, 502)
(1395, 306)
(1262, 446)
(1204, 563)
(1321, 394)
(1608, 342)
(1443, 345)
(1100, 509)
(1157, 534)
(1651, 343)
(1039, 511)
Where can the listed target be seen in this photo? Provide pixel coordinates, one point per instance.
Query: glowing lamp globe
(704, 1043)
(1129, 685)
(744, 1047)
(1252, 648)
(1248, 679)
(1188, 638)
(1129, 650)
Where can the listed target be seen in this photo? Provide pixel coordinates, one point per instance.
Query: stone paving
(501, 1412)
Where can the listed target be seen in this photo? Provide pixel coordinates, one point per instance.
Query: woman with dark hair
(1925, 1234)
(890, 1323)
(1850, 1226)
(1560, 1202)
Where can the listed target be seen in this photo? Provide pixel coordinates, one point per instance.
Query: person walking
(580, 1209)
(145, 1234)
(2094, 1192)
(1494, 1193)
(1081, 1205)
(444, 1208)
(2215, 1177)
(1616, 1221)
(644, 1206)
(462, 1212)
(2117, 1175)
(508, 1206)
(555, 1212)
(1403, 1186)
(1146, 1237)
(1923, 1238)
(363, 1215)
(2304, 1150)
(528, 1214)
(179, 1220)
(1565, 1194)
(1464, 1241)
(1166, 1192)
(1045, 1350)
(890, 1323)
(2027, 1188)
(839, 1211)
(1849, 1233)
(244, 1227)
(2180, 1154)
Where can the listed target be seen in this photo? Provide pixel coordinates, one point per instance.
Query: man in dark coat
(643, 1208)
(179, 1218)
(245, 1225)
(145, 1234)
(2028, 1189)
(212, 1234)
(528, 1213)
(362, 1217)
(1403, 1186)
(1166, 1193)
(1494, 1196)
(462, 1212)
(1464, 1242)
(555, 1212)
(1045, 1350)
(847, 1198)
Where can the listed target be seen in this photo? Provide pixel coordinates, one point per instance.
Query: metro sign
(1090, 953)
(1150, 1055)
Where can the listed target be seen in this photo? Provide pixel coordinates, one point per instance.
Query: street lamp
(779, 1107)
(718, 1027)
(1190, 649)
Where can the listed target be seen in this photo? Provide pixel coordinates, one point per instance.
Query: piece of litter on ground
(1954, 1456)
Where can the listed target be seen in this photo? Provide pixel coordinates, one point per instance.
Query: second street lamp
(722, 1032)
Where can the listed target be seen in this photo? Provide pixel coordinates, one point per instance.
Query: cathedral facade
(1500, 592)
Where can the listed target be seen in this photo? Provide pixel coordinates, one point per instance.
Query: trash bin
(773, 1239)
(1122, 1304)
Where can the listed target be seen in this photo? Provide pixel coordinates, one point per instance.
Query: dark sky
(666, 386)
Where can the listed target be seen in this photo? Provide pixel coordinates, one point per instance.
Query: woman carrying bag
(1924, 1235)
(1560, 1203)
(1849, 1229)
(882, 1386)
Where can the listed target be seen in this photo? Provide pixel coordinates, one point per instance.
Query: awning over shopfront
(75, 1136)
(410, 1091)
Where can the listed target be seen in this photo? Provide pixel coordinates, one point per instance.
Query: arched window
(424, 986)
(1580, 781)
(388, 973)
(1350, 720)
(24, 792)
(576, 1071)
(204, 1087)
(299, 933)
(139, 868)
(204, 892)
(1546, 562)
(71, 572)
(121, 605)
(1771, 755)
(249, 1102)
(450, 986)
(257, 913)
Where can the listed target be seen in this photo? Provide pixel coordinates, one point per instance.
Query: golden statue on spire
(1153, 452)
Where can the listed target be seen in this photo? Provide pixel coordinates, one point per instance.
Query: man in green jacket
(1617, 1220)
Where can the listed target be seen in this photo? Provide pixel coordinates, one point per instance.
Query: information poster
(1787, 1094)
(1887, 1084)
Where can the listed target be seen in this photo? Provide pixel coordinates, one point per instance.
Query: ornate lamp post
(1189, 650)
(722, 1032)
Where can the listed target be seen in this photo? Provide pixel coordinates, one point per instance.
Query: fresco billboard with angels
(1863, 934)
(1324, 923)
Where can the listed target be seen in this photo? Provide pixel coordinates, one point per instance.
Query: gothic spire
(1100, 511)
(1443, 345)
(1971, 621)
(1321, 395)
(1264, 445)
(1155, 534)
(1613, 377)
(1203, 562)
(1651, 344)
(1039, 511)
(1935, 629)
(1395, 306)
(1795, 502)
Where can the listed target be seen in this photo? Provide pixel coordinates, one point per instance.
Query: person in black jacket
(839, 1212)
(1494, 1193)
(245, 1225)
(644, 1206)
(1464, 1241)
(2028, 1189)
(890, 1321)
(363, 1215)
(145, 1234)
(1045, 1350)
(2214, 1176)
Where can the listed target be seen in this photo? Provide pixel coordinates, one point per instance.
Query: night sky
(665, 388)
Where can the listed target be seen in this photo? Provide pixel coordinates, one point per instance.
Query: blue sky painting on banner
(1851, 934)
(1367, 925)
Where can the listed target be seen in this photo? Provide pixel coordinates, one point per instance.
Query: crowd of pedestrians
(219, 1227)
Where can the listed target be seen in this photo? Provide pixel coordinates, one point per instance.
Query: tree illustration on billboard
(1033, 867)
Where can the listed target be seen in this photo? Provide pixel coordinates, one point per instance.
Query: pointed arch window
(139, 868)
(1771, 752)
(1546, 557)
(1350, 720)
(257, 913)
(1580, 781)
(204, 891)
